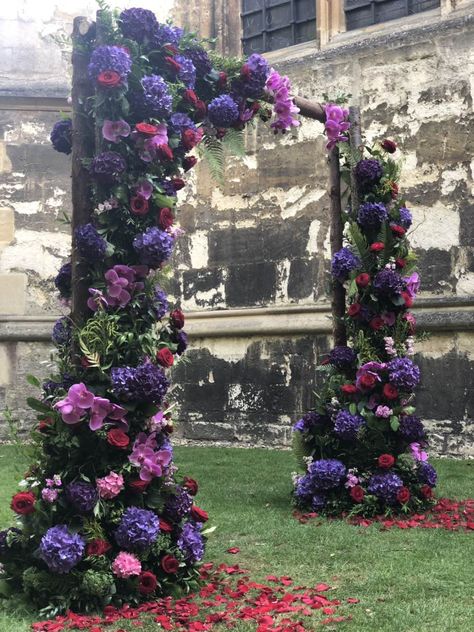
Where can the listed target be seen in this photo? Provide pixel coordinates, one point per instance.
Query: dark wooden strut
(82, 149)
(355, 141)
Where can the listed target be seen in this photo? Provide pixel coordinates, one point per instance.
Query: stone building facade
(253, 266)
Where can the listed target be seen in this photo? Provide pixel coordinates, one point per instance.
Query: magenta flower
(96, 300)
(151, 462)
(114, 130)
(144, 189)
(417, 453)
(413, 284)
(336, 124)
(383, 411)
(70, 414)
(284, 106)
(79, 396)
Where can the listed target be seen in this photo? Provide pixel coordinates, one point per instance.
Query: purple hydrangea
(181, 338)
(403, 373)
(108, 166)
(50, 386)
(318, 502)
(309, 421)
(343, 262)
(385, 486)
(63, 280)
(327, 473)
(387, 282)
(178, 505)
(146, 382)
(166, 34)
(178, 122)
(168, 188)
(160, 302)
(368, 172)
(200, 59)
(191, 542)
(342, 356)
(138, 529)
(153, 247)
(60, 549)
(252, 84)
(138, 24)
(372, 214)
(62, 331)
(187, 72)
(411, 428)
(223, 111)
(155, 100)
(427, 474)
(406, 218)
(304, 488)
(111, 58)
(82, 496)
(90, 244)
(61, 136)
(346, 426)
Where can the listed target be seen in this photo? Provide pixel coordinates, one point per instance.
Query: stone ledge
(433, 314)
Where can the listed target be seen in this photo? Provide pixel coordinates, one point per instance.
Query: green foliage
(301, 449)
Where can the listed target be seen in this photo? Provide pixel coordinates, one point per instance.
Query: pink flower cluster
(336, 124)
(152, 462)
(51, 491)
(80, 401)
(122, 282)
(284, 106)
(110, 486)
(126, 565)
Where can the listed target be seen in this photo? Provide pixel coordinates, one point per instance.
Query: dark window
(360, 13)
(273, 24)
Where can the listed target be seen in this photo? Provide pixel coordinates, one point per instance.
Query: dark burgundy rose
(390, 146)
(189, 162)
(118, 438)
(177, 318)
(165, 357)
(363, 279)
(138, 486)
(368, 381)
(400, 263)
(398, 231)
(170, 564)
(147, 583)
(376, 323)
(403, 495)
(354, 310)
(165, 218)
(97, 547)
(390, 392)
(190, 138)
(147, 129)
(222, 79)
(139, 205)
(377, 246)
(165, 152)
(178, 184)
(190, 97)
(198, 514)
(349, 389)
(357, 493)
(23, 503)
(426, 491)
(201, 110)
(386, 461)
(172, 65)
(165, 526)
(190, 485)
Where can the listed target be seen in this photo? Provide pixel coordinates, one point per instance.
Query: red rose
(138, 205)
(189, 162)
(368, 381)
(190, 138)
(398, 231)
(426, 491)
(403, 495)
(363, 279)
(199, 514)
(190, 96)
(118, 438)
(377, 246)
(178, 183)
(400, 263)
(201, 110)
(354, 310)
(190, 485)
(165, 526)
(165, 152)
(222, 79)
(408, 299)
(245, 71)
(390, 391)
(349, 389)
(109, 79)
(172, 65)
(170, 564)
(138, 486)
(97, 547)
(390, 146)
(357, 493)
(147, 129)
(165, 357)
(394, 190)
(45, 424)
(23, 503)
(177, 318)
(165, 218)
(147, 583)
(386, 461)
(376, 323)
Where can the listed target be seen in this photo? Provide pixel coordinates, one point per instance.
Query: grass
(411, 580)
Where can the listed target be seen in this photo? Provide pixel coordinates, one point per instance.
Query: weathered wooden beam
(311, 109)
(82, 148)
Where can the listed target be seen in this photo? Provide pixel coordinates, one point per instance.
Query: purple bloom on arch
(113, 131)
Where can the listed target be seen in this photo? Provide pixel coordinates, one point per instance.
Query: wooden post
(311, 109)
(355, 140)
(82, 148)
(338, 299)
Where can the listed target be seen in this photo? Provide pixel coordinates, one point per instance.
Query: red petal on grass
(321, 587)
(352, 600)
(233, 550)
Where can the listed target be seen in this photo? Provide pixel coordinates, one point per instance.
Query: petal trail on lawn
(227, 596)
(452, 515)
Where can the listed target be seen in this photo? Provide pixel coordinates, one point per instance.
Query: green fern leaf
(301, 449)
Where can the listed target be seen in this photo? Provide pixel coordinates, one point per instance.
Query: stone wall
(253, 267)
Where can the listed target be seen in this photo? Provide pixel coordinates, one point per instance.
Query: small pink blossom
(417, 453)
(126, 565)
(110, 486)
(383, 411)
(49, 495)
(351, 481)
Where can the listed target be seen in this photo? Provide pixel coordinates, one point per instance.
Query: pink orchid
(114, 130)
(96, 299)
(336, 124)
(100, 409)
(144, 189)
(417, 453)
(79, 396)
(70, 414)
(413, 284)
(284, 106)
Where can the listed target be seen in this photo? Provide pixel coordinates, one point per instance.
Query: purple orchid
(113, 131)
(96, 300)
(144, 189)
(103, 409)
(284, 106)
(72, 407)
(336, 124)
(413, 284)
(417, 453)
(151, 462)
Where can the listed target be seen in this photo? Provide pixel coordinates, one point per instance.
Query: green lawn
(412, 580)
